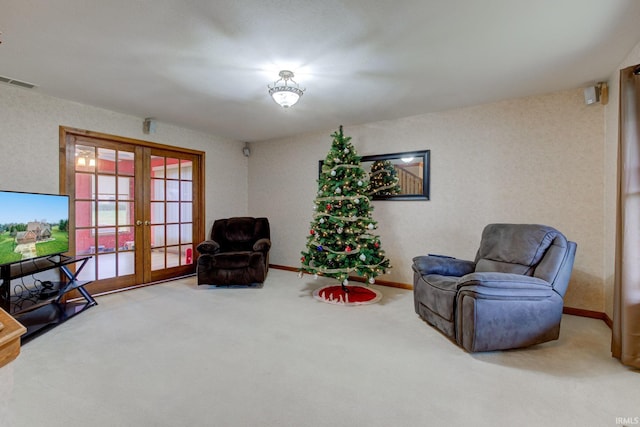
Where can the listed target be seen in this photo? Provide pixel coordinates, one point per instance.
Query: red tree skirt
(357, 295)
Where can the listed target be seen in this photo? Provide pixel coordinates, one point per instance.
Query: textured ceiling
(205, 64)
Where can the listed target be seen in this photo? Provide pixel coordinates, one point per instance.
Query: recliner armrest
(208, 247)
(262, 245)
(442, 265)
(493, 284)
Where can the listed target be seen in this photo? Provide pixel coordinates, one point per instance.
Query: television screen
(32, 226)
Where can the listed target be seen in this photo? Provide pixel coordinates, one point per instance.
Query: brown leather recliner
(237, 252)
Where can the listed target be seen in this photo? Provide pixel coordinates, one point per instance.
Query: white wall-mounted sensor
(246, 150)
(598, 93)
(591, 95)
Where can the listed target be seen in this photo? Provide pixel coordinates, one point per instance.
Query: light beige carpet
(180, 355)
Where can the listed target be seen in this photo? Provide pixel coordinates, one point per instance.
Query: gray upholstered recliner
(511, 296)
(237, 252)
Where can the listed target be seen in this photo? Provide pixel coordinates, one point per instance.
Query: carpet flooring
(176, 354)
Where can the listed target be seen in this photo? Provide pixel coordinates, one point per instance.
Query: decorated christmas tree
(383, 180)
(340, 240)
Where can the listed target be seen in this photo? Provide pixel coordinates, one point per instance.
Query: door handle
(147, 223)
(138, 222)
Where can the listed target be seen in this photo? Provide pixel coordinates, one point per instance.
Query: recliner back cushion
(233, 234)
(239, 230)
(240, 233)
(513, 248)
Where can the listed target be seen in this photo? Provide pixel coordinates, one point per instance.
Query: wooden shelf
(9, 338)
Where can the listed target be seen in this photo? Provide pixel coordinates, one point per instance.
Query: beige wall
(537, 159)
(29, 123)
(611, 171)
(531, 160)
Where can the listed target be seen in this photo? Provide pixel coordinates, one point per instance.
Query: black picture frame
(420, 162)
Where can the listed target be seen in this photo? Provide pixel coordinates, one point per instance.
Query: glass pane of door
(104, 211)
(171, 223)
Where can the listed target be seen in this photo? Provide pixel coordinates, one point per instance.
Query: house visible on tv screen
(36, 232)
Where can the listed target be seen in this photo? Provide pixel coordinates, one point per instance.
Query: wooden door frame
(67, 175)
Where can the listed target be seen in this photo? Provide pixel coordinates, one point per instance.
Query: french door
(136, 208)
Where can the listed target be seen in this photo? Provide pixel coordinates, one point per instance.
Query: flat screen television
(32, 225)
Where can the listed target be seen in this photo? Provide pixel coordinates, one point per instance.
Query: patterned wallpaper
(529, 160)
(29, 135)
(537, 159)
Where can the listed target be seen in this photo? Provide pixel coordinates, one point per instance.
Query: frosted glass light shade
(283, 93)
(285, 98)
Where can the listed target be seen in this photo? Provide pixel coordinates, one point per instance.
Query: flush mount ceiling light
(283, 92)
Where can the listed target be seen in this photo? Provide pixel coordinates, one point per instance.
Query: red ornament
(348, 249)
(312, 232)
(302, 259)
(376, 244)
(328, 207)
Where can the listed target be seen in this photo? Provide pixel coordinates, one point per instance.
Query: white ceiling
(205, 64)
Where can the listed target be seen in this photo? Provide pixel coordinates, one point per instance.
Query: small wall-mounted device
(591, 95)
(149, 125)
(246, 150)
(598, 93)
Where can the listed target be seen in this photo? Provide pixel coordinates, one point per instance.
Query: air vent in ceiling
(16, 82)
